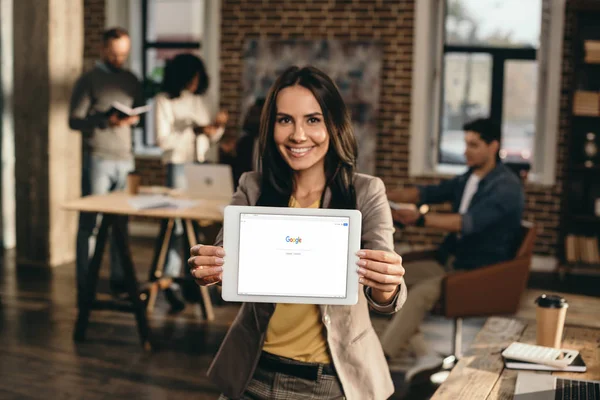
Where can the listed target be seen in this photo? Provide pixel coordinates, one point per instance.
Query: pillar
(48, 48)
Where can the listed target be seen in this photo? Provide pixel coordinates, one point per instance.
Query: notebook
(149, 201)
(578, 365)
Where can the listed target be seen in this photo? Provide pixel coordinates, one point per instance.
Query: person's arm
(208, 134)
(378, 234)
(204, 255)
(163, 122)
(445, 222)
(493, 209)
(440, 193)
(479, 217)
(407, 195)
(200, 114)
(139, 101)
(240, 198)
(431, 194)
(80, 118)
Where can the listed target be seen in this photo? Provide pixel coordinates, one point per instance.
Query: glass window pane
(156, 59)
(498, 23)
(518, 110)
(466, 96)
(175, 20)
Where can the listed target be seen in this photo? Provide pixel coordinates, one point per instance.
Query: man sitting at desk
(484, 226)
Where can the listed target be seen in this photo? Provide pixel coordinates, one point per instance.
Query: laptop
(209, 181)
(531, 386)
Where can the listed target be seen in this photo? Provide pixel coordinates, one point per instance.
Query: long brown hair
(340, 161)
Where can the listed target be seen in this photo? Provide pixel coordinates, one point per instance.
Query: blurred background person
(246, 150)
(186, 133)
(107, 137)
(483, 229)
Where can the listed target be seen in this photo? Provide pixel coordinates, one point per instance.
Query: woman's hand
(210, 130)
(222, 118)
(382, 271)
(206, 264)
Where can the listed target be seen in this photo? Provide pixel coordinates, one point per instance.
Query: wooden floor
(39, 360)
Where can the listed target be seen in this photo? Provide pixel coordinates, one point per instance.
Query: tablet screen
(293, 255)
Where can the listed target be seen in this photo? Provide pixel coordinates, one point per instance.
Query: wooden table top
(480, 374)
(117, 203)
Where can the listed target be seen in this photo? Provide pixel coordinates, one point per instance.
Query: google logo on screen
(293, 240)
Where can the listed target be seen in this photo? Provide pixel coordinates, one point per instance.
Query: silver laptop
(209, 181)
(531, 386)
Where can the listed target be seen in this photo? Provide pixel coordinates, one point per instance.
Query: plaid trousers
(271, 385)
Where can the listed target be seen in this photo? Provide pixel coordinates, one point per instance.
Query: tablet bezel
(231, 236)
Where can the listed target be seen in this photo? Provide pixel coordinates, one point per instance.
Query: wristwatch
(423, 210)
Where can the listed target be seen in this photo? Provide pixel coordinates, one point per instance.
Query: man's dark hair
(113, 33)
(487, 129)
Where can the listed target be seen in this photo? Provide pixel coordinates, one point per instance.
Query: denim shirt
(491, 225)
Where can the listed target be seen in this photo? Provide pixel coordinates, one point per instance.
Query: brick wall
(390, 22)
(93, 19)
(152, 170)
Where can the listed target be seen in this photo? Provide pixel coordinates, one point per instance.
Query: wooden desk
(480, 374)
(116, 204)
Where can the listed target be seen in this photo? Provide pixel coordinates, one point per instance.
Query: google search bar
(340, 220)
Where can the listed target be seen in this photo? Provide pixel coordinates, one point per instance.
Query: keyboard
(576, 390)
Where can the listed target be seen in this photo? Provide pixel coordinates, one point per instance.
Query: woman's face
(300, 132)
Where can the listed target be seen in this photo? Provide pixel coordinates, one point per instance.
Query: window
(159, 29)
(490, 71)
(169, 27)
(489, 63)
(490, 59)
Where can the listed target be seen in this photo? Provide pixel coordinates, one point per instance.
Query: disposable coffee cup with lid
(550, 313)
(551, 301)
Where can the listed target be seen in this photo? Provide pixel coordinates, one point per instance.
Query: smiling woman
(308, 159)
(305, 130)
(301, 139)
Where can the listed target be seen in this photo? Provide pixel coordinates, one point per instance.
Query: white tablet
(291, 255)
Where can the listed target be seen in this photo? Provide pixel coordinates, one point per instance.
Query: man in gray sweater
(106, 142)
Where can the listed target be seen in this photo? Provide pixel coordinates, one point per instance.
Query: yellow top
(295, 330)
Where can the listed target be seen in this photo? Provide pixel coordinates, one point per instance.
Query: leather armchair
(486, 291)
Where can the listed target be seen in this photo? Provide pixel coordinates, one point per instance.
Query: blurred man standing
(106, 143)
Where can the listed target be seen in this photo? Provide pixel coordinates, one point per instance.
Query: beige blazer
(354, 346)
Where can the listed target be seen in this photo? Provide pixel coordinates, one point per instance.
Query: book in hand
(578, 365)
(123, 111)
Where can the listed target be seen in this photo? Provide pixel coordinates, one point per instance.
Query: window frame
(152, 45)
(427, 83)
(499, 57)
